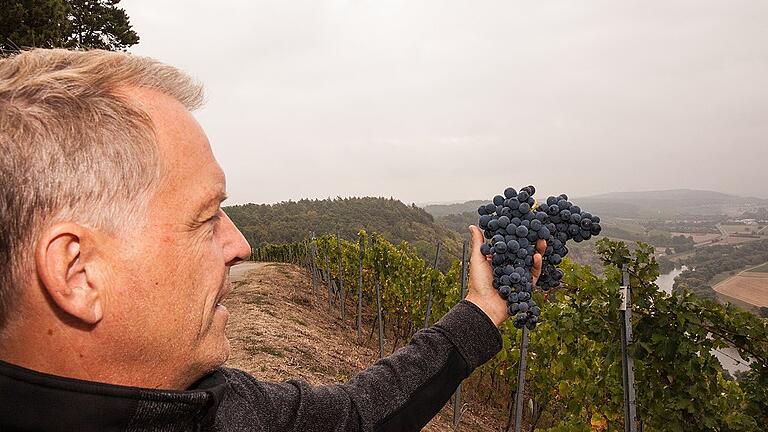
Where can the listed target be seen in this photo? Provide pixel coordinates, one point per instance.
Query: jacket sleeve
(401, 392)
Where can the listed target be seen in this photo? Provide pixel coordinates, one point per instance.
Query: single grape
(575, 218)
(500, 247)
(544, 233)
(521, 231)
(503, 221)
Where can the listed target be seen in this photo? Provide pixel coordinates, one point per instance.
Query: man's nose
(236, 247)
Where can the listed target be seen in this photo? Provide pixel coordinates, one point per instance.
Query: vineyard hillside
(279, 329)
(293, 221)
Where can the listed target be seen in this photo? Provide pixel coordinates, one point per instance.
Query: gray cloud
(451, 100)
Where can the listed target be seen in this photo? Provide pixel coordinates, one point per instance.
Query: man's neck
(66, 353)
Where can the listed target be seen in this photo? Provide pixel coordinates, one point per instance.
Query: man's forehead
(191, 173)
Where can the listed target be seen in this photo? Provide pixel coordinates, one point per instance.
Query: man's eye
(215, 218)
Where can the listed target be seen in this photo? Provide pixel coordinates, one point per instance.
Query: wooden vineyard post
(360, 290)
(521, 379)
(328, 274)
(312, 263)
(341, 276)
(627, 363)
(378, 312)
(431, 288)
(462, 294)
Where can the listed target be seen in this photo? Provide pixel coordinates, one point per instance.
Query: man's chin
(216, 355)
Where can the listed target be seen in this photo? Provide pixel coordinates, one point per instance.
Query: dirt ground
(279, 329)
(749, 287)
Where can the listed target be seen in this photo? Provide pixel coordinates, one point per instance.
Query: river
(666, 280)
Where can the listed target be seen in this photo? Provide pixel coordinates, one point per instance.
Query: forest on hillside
(292, 221)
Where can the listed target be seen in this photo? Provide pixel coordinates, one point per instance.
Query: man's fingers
(479, 264)
(536, 270)
(477, 256)
(541, 247)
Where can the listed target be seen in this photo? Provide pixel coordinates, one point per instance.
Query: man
(114, 257)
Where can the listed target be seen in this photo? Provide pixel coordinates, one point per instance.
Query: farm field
(733, 229)
(748, 286)
(625, 224)
(279, 330)
(733, 240)
(741, 233)
(698, 237)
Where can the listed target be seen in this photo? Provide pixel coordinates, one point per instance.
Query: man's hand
(481, 290)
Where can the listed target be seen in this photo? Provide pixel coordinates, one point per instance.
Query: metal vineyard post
(462, 294)
(431, 289)
(627, 363)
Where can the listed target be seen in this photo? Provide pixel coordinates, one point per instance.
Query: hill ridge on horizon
(659, 203)
(424, 204)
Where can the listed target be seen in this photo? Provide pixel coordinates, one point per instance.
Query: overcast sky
(431, 101)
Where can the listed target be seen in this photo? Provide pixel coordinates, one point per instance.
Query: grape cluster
(513, 224)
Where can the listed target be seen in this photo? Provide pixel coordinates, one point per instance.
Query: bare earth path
(279, 329)
(238, 272)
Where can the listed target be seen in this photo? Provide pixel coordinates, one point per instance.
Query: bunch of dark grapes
(513, 223)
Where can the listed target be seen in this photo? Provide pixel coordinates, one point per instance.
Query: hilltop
(293, 221)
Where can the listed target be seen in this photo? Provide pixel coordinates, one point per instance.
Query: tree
(101, 24)
(64, 24)
(33, 23)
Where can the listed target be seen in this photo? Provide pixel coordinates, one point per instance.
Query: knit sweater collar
(31, 400)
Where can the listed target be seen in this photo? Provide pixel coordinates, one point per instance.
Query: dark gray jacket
(401, 392)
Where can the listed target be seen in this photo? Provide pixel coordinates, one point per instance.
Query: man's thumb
(477, 241)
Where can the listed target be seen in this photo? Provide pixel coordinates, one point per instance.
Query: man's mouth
(227, 288)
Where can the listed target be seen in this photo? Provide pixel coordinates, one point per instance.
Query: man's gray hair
(73, 147)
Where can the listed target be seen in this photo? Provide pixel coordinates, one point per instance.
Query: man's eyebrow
(217, 199)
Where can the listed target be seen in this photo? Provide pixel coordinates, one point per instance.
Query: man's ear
(61, 262)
